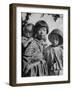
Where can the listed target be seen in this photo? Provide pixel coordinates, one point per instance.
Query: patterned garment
(54, 58)
(33, 60)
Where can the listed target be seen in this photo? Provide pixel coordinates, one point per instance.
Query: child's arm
(26, 42)
(38, 57)
(59, 58)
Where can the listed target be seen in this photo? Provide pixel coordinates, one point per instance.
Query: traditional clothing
(33, 60)
(54, 58)
(54, 54)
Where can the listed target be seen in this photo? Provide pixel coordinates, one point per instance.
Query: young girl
(26, 40)
(54, 53)
(41, 30)
(33, 61)
(27, 34)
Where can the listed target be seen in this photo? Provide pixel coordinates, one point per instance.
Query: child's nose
(41, 31)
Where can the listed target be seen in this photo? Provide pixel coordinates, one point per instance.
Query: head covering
(56, 32)
(39, 24)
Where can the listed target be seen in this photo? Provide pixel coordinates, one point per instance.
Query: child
(40, 32)
(54, 53)
(26, 39)
(32, 58)
(27, 34)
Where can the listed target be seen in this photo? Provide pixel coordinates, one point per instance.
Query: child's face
(28, 32)
(42, 32)
(55, 40)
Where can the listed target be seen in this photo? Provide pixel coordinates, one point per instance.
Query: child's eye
(44, 29)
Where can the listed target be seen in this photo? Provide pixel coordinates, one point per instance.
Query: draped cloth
(54, 59)
(33, 61)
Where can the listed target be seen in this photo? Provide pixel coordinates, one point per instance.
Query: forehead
(44, 28)
(29, 27)
(55, 36)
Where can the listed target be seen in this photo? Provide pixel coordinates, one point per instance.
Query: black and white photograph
(42, 44)
(40, 53)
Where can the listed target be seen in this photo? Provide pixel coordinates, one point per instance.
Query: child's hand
(27, 42)
(24, 39)
(30, 39)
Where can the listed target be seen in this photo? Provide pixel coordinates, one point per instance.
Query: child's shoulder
(59, 48)
(48, 49)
